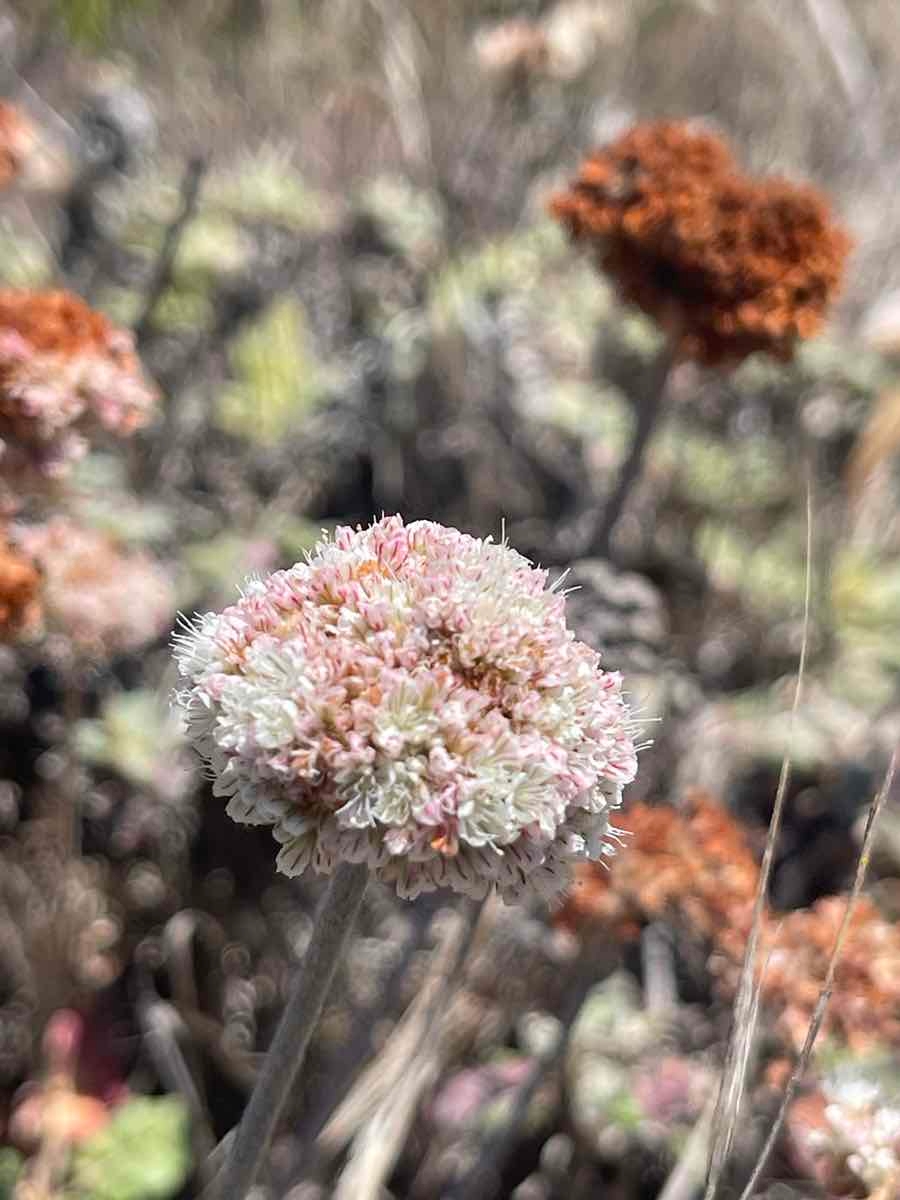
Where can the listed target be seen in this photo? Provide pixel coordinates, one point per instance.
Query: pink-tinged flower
(846, 1134)
(411, 698)
(102, 599)
(17, 138)
(67, 376)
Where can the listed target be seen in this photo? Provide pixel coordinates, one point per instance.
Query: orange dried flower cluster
(865, 1006)
(67, 374)
(726, 264)
(16, 139)
(61, 323)
(20, 585)
(693, 866)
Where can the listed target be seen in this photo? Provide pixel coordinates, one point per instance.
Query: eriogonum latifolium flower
(66, 375)
(411, 698)
(726, 263)
(846, 1133)
(103, 599)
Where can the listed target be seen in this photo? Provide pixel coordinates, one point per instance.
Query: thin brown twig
(818, 1016)
(846, 50)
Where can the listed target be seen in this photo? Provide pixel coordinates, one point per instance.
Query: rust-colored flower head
(16, 140)
(691, 865)
(67, 374)
(20, 585)
(726, 264)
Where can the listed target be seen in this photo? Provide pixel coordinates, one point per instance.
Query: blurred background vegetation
(325, 220)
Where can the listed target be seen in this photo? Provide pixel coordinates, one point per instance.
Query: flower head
(103, 600)
(727, 265)
(693, 867)
(846, 1133)
(66, 375)
(865, 1008)
(690, 865)
(410, 697)
(866, 1125)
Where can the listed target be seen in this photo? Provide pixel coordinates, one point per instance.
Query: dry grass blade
(377, 1086)
(857, 78)
(747, 1000)
(846, 49)
(687, 1175)
(401, 53)
(878, 441)
(380, 1137)
(818, 1016)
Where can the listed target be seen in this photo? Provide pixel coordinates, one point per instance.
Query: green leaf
(143, 1154)
(10, 1167)
(136, 735)
(266, 186)
(91, 21)
(277, 380)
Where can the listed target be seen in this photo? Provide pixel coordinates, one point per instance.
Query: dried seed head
(726, 264)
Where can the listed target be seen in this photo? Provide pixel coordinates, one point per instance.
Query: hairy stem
(334, 921)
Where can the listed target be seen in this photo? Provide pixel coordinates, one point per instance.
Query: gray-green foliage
(25, 261)
(725, 477)
(134, 735)
(142, 1154)
(410, 219)
(101, 499)
(768, 571)
(91, 21)
(512, 263)
(10, 1166)
(276, 377)
(266, 186)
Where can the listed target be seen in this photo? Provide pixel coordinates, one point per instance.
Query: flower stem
(649, 407)
(334, 921)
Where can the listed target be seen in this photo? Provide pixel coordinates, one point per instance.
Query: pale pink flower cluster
(864, 1124)
(67, 375)
(102, 599)
(411, 698)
